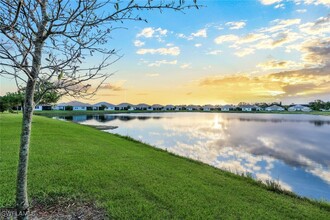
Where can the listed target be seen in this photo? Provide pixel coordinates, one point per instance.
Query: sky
(225, 52)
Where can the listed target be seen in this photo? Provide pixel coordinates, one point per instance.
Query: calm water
(292, 149)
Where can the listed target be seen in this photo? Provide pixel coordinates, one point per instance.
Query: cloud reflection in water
(293, 149)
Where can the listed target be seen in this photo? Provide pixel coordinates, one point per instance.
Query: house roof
(142, 105)
(124, 104)
(74, 104)
(157, 106)
(104, 103)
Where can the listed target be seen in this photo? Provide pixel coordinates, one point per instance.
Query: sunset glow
(226, 52)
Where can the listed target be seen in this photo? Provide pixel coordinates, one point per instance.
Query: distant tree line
(317, 105)
(14, 100)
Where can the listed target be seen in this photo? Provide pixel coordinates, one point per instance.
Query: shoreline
(150, 175)
(91, 112)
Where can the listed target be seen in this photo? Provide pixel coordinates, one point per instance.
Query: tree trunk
(22, 202)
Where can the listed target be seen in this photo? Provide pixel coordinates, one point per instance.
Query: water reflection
(293, 149)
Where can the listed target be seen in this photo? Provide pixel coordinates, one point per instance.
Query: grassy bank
(132, 180)
(58, 112)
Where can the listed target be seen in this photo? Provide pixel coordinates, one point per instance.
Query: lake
(291, 149)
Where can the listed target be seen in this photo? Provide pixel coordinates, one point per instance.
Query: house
(192, 108)
(248, 108)
(104, 106)
(299, 108)
(75, 105)
(123, 107)
(141, 107)
(274, 108)
(60, 106)
(208, 108)
(169, 108)
(227, 108)
(43, 107)
(155, 107)
(179, 108)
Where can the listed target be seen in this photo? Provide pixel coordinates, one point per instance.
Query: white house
(227, 108)
(123, 106)
(247, 108)
(274, 108)
(169, 108)
(208, 108)
(155, 107)
(141, 107)
(60, 106)
(193, 108)
(299, 108)
(76, 106)
(108, 106)
(179, 108)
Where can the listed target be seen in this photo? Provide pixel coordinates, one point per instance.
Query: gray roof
(142, 105)
(124, 104)
(157, 106)
(74, 104)
(104, 103)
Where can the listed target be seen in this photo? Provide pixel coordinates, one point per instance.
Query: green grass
(131, 180)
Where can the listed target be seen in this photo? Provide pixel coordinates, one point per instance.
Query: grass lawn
(131, 180)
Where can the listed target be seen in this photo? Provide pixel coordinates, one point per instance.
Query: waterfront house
(227, 108)
(141, 107)
(43, 107)
(104, 106)
(124, 107)
(274, 108)
(247, 108)
(156, 107)
(208, 108)
(169, 108)
(299, 108)
(74, 105)
(180, 107)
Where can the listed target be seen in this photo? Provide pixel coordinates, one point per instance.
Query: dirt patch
(72, 211)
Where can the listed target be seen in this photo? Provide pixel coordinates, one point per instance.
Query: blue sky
(225, 52)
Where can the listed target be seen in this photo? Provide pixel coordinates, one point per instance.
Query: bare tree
(44, 41)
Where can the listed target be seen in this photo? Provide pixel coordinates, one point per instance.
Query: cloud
(234, 25)
(200, 33)
(161, 62)
(150, 32)
(313, 2)
(198, 45)
(280, 85)
(183, 36)
(138, 43)
(317, 52)
(281, 25)
(280, 6)
(174, 51)
(277, 64)
(252, 37)
(146, 32)
(226, 38)
(116, 86)
(269, 2)
(214, 52)
(185, 66)
(319, 27)
(244, 52)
